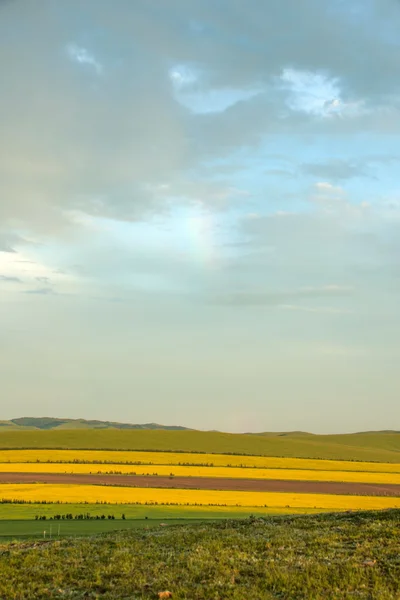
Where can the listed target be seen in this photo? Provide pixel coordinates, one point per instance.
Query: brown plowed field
(208, 483)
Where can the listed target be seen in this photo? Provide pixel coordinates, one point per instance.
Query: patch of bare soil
(208, 483)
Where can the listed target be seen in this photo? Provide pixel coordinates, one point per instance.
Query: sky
(200, 212)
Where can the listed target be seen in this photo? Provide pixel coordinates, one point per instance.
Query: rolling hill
(50, 423)
(47, 432)
(375, 447)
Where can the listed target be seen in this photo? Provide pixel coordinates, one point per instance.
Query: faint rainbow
(200, 233)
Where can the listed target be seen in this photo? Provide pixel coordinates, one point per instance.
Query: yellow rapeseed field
(172, 458)
(195, 471)
(94, 493)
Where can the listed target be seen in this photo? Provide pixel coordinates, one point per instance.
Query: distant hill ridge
(46, 423)
(52, 423)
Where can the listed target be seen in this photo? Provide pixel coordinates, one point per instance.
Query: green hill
(47, 432)
(378, 447)
(46, 423)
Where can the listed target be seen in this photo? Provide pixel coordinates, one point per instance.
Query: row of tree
(78, 517)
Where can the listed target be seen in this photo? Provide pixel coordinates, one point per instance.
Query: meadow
(331, 557)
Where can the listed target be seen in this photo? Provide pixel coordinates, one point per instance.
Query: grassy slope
(9, 426)
(326, 557)
(380, 447)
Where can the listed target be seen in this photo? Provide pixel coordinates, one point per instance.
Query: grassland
(373, 447)
(37, 492)
(214, 472)
(332, 557)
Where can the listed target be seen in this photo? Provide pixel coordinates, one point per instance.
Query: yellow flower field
(93, 494)
(219, 472)
(172, 458)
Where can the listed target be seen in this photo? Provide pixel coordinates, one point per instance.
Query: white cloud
(324, 186)
(23, 267)
(192, 92)
(332, 288)
(333, 200)
(82, 56)
(316, 94)
(183, 75)
(284, 213)
(327, 310)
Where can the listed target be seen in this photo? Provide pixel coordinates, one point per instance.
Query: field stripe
(217, 472)
(93, 494)
(206, 483)
(176, 458)
(134, 511)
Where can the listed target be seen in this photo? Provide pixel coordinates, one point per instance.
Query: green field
(378, 447)
(10, 530)
(331, 557)
(133, 511)
(24, 529)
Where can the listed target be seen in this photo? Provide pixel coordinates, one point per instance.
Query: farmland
(373, 447)
(124, 495)
(200, 471)
(187, 480)
(14, 529)
(136, 511)
(271, 508)
(111, 457)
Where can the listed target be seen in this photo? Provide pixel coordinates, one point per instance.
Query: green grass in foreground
(378, 447)
(132, 511)
(342, 557)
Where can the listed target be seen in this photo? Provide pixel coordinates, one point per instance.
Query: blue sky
(200, 212)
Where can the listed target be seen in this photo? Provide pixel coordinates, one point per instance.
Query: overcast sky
(200, 212)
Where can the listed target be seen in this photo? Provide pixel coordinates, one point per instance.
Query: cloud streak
(282, 299)
(41, 291)
(82, 56)
(9, 279)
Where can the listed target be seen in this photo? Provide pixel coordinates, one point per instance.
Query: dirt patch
(208, 483)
